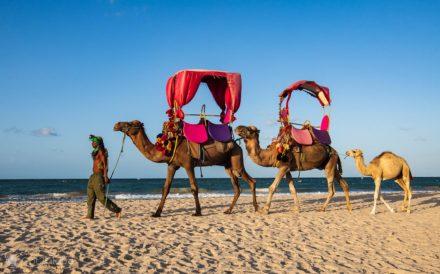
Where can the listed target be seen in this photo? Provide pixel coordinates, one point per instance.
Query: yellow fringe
(174, 151)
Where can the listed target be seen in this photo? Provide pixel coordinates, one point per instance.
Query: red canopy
(224, 86)
(320, 92)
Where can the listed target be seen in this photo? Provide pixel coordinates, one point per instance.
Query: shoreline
(79, 197)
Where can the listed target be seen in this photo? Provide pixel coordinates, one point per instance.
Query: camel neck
(360, 165)
(144, 145)
(257, 154)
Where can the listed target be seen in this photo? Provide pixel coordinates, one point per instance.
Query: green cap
(95, 139)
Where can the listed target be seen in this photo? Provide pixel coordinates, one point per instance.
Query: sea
(65, 190)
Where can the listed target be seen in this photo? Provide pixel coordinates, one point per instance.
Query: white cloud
(45, 132)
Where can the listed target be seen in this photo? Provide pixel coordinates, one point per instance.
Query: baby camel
(386, 166)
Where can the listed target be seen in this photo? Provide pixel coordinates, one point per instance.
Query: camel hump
(383, 155)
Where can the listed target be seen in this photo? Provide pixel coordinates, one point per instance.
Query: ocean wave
(261, 192)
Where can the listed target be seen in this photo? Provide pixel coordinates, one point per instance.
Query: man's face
(94, 144)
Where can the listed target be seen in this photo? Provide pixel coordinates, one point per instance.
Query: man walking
(98, 180)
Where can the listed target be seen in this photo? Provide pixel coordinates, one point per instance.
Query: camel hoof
(392, 211)
(372, 213)
(264, 211)
(155, 215)
(295, 209)
(227, 211)
(197, 214)
(256, 209)
(408, 211)
(322, 209)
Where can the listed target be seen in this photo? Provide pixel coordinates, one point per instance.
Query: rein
(113, 172)
(238, 140)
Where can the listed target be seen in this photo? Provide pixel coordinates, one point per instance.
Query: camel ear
(137, 123)
(254, 129)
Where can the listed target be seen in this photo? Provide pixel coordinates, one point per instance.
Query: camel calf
(386, 166)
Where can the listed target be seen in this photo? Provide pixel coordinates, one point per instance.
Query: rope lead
(113, 172)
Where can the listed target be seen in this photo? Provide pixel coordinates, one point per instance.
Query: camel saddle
(208, 141)
(310, 135)
(302, 136)
(220, 132)
(321, 136)
(205, 130)
(195, 133)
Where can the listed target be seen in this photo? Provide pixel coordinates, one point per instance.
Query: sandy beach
(50, 237)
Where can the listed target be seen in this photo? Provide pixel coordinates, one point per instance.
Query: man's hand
(106, 180)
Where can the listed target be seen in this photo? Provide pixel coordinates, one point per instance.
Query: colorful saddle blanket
(198, 133)
(306, 137)
(220, 132)
(321, 136)
(302, 136)
(195, 133)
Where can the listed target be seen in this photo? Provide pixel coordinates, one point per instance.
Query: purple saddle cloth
(322, 136)
(221, 133)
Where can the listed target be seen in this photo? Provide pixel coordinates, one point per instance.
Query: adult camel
(315, 156)
(232, 160)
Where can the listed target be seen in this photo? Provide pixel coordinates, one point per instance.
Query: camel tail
(339, 166)
(247, 177)
(407, 170)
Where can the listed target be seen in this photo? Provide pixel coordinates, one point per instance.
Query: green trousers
(96, 190)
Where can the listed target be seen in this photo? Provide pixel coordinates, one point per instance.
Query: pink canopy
(224, 86)
(319, 92)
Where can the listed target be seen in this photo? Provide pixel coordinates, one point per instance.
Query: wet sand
(51, 237)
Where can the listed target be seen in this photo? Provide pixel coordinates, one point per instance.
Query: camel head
(354, 153)
(129, 128)
(250, 132)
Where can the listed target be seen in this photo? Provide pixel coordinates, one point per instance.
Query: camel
(386, 166)
(311, 157)
(232, 160)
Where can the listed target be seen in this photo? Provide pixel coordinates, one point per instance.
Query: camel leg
(273, 187)
(377, 183)
(236, 187)
(293, 191)
(166, 189)
(237, 167)
(346, 190)
(331, 192)
(330, 176)
(194, 190)
(405, 191)
(252, 186)
(408, 187)
(386, 204)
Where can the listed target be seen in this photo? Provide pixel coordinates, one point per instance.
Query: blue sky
(71, 68)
